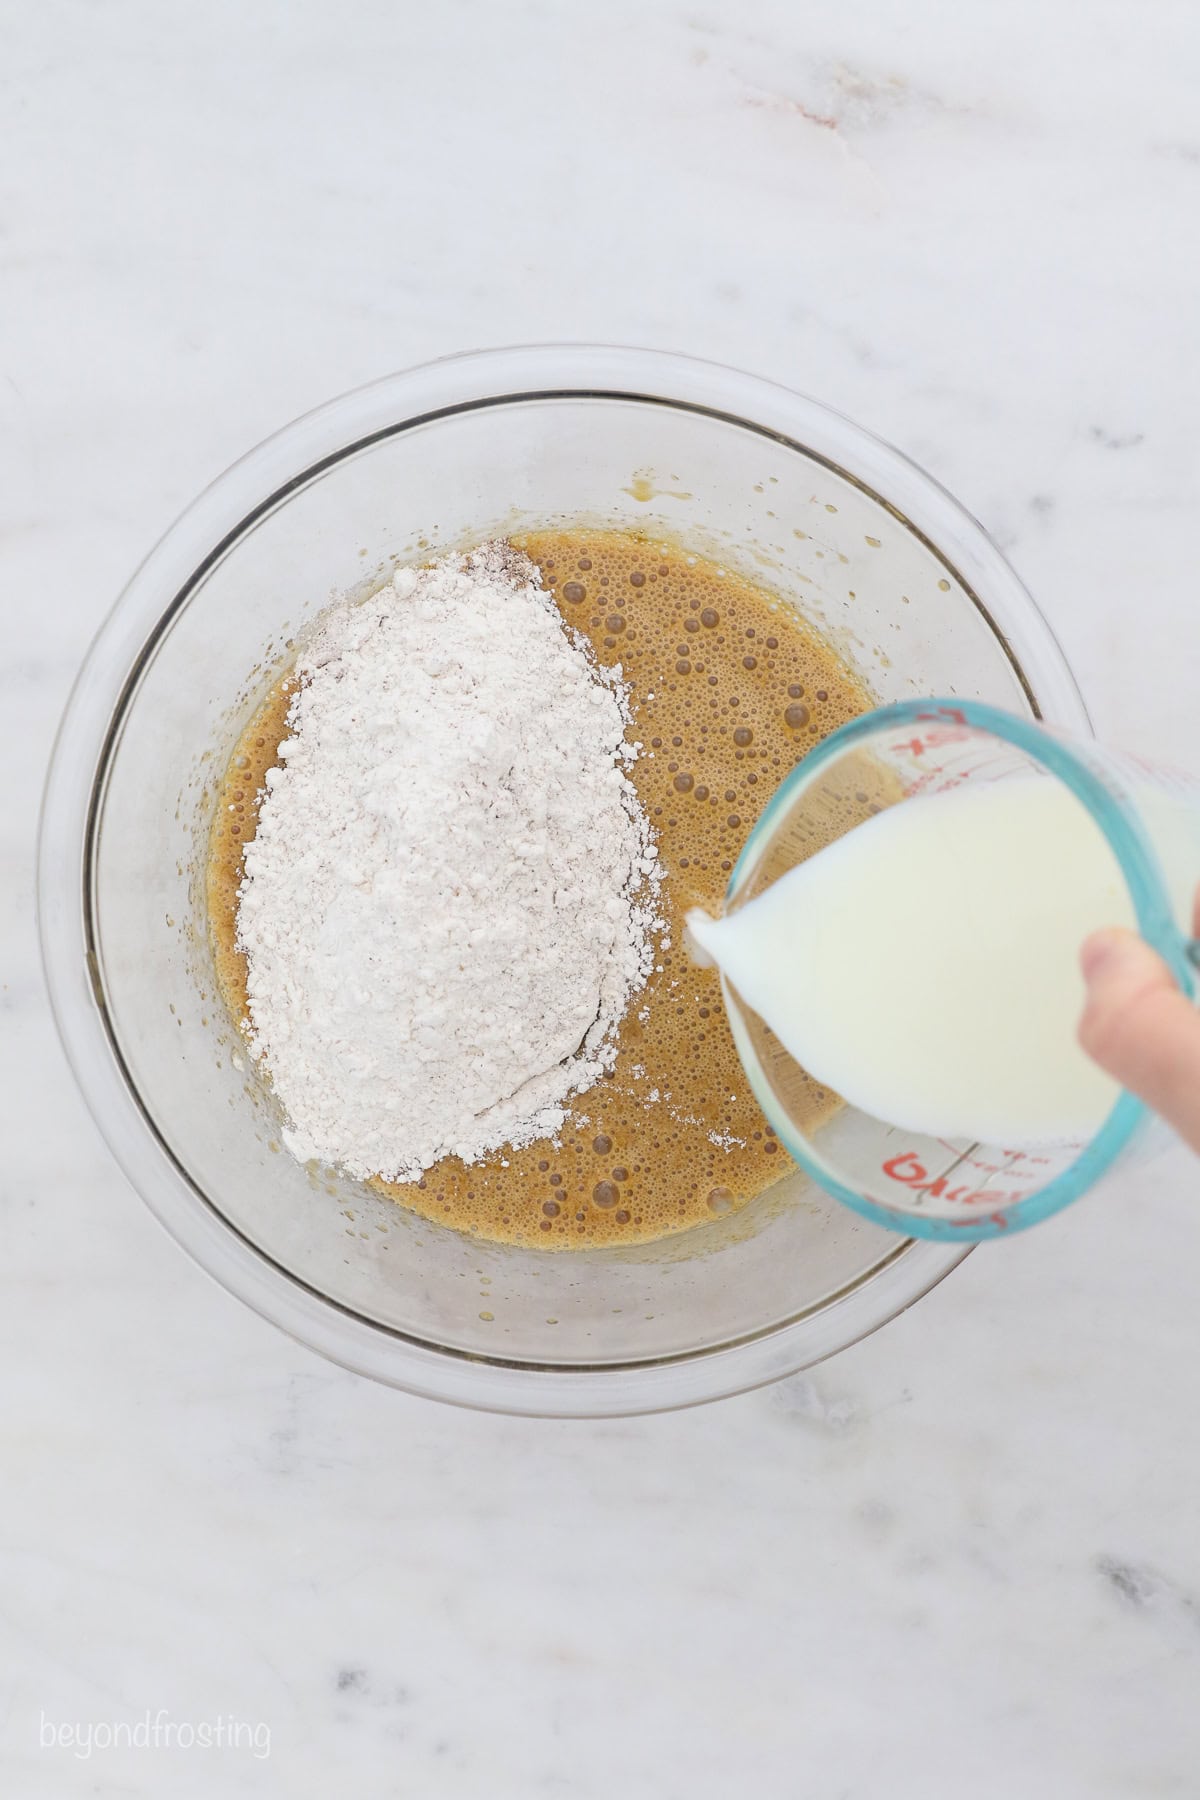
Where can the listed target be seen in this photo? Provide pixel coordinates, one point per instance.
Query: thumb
(1141, 1029)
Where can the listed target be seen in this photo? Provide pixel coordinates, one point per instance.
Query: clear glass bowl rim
(261, 480)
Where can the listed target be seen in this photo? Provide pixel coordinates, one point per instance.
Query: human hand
(1140, 1028)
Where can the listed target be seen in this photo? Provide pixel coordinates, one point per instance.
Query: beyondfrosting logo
(154, 1731)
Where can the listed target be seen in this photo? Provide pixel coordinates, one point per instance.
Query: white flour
(450, 896)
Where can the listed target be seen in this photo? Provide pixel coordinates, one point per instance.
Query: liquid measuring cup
(947, 1188)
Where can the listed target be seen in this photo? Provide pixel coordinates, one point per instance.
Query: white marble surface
(963, 1557)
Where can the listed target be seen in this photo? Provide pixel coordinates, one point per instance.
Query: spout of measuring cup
(699, 931)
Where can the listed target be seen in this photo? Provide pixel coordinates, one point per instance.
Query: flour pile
(450, 898)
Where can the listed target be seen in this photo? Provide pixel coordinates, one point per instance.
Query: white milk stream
(926, 965)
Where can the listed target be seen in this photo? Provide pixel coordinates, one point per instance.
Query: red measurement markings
(948, 725)
(910, 1171)
(953, 715)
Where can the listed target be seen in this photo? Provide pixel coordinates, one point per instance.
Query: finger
(1140, 1028)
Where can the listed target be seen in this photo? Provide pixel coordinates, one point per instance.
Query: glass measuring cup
(946, 1188)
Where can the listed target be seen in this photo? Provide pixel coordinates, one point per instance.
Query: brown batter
(728, 689)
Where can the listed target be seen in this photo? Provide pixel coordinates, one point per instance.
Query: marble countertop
(959, 1559)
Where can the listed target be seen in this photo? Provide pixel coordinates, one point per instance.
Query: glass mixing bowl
(842, 527)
